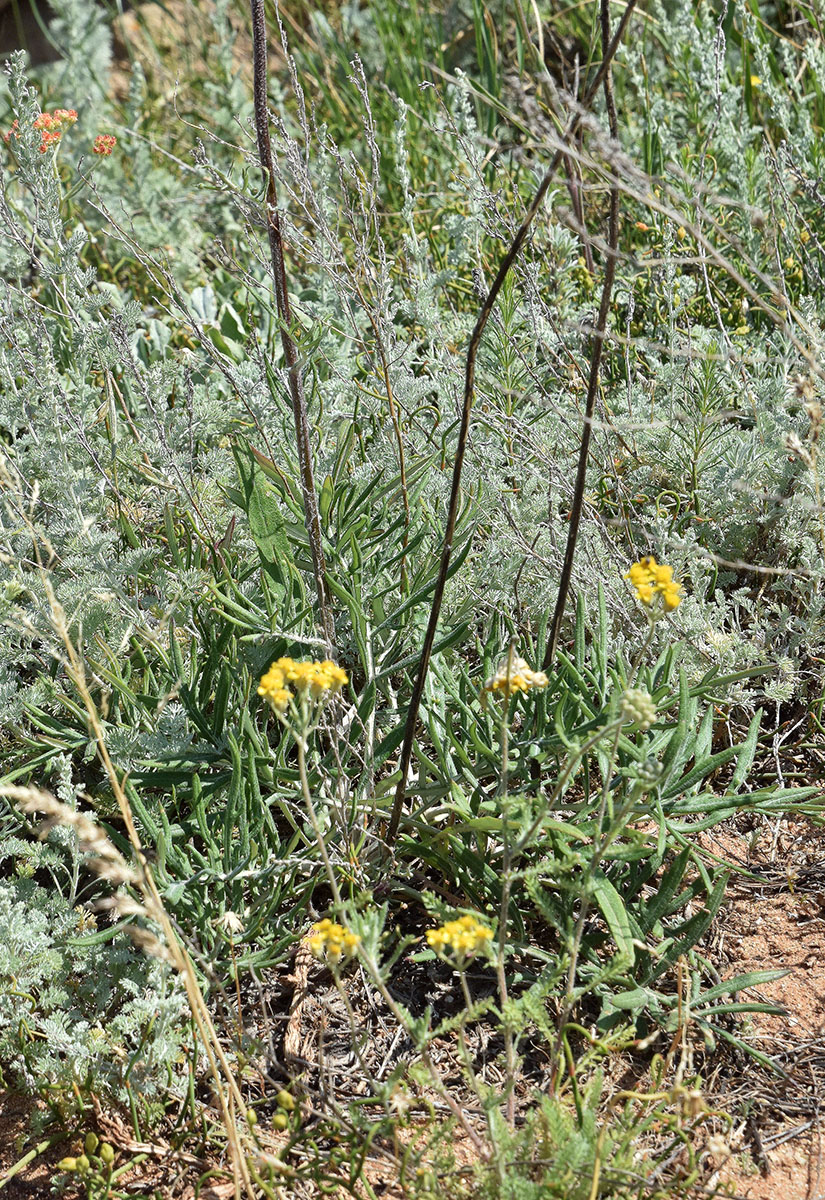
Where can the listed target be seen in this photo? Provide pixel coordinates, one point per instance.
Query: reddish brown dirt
(779, 923)
(784, 932)
(33, 1182)
(797, 1172)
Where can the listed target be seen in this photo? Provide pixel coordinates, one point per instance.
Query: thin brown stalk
(227, 1091)
(312, 515)
(464, 428)
(595, 365)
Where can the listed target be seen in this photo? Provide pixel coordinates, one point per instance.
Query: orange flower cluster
(104, 143)
(51, 127)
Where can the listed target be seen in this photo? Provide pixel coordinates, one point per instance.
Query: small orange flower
(104, 144)
(51, 127)
(50, 138)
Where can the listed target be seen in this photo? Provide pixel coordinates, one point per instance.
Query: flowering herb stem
(312, 517)
(600, 846)
(227, 1091)
(506, 886)
(498, 1163)
(316, 828)
(402, 1017)
(570, 765)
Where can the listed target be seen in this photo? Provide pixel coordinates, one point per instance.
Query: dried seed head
(814, 410)
(122, 904)
(143, 939)
(116, 873)
(803, 386)
(718, 1146)
(106, 858)
(231, 923)
(795, 447)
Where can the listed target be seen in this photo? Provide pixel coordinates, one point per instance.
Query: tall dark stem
(312, 516)
(469, 389)
(595, 364)
(601, 844)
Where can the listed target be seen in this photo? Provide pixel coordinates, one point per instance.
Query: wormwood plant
(79, 1007)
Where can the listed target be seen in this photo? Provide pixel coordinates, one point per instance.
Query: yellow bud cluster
(650, 580)
(328, 938)
(315, 679)
(463, 936)
(514, 675)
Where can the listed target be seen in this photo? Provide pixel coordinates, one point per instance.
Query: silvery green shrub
(72, 1013)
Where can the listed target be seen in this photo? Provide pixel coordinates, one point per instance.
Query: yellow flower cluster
(515, 676)
(651, 580)
(333, 940)
(316, 679)
(463, 936)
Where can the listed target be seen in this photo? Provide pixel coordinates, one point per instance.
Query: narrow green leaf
(746, 753)
(741, 983)
(613, 910)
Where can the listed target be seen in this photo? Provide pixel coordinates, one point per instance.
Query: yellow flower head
(332, 941)
(652, 579)
(463, 936)
(273, 688)
(514, 675)
(315, 679)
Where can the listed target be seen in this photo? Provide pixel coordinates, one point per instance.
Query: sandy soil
(779, 923)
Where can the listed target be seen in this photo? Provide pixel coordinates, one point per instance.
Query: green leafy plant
(445, 235)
